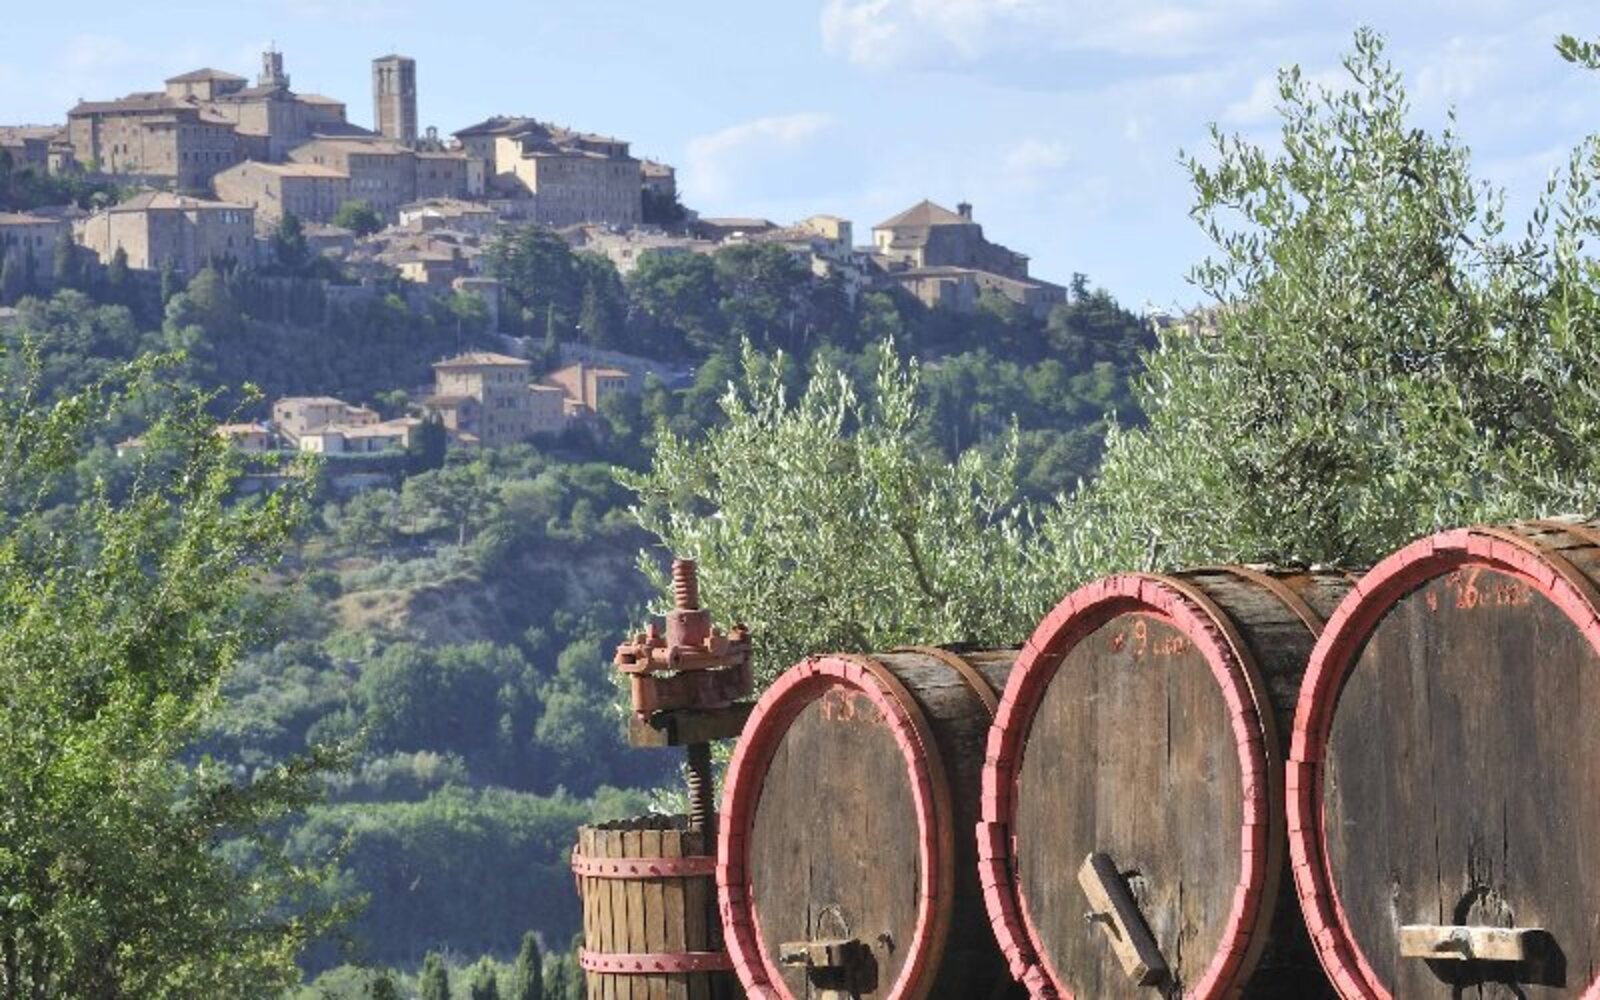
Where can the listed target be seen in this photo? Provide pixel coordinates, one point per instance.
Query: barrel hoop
(1080, 613)
(955, 661)
(644, 868)
(1279, 589)
(758, 972)
(1335, 655)
(652, 963)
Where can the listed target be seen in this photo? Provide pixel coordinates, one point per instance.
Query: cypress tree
(527, 979)
(434, 983)
(485, 984)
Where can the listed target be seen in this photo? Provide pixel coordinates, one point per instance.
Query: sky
(1061, 121)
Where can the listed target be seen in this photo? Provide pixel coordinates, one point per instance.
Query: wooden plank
(633, 848)
(655, 915)
(674, 915)
(590, 903)
(1466, 944)
(1124, 925)
(698, 904)
(616, 987)
(678, 727)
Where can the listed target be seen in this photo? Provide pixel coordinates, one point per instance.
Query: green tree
(434, 981)
(11, 279)
(118, 283)
(289, 248)
(527, 977)
(485, 984)
(426, 450)
(120, 616)
(538, 273)
(383, 986)
(881, 542)
(358, 216)
(1385, 360)
(66, 268)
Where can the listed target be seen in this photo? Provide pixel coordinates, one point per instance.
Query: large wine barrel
(1444, 779)
(1133, 826)
(846, 857)
(650, 926)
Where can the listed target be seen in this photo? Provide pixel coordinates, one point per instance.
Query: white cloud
(91, 53)
(1261, 105)
(715, 160)
(1458, 71)
(1035, 156)
(881, 34)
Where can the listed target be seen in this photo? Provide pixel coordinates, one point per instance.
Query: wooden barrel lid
(854, 839)
(1445, 764)
(1135, 725)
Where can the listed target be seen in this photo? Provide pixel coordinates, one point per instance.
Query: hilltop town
(214, 170)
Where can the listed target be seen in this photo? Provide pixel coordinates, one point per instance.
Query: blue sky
(1059, 120)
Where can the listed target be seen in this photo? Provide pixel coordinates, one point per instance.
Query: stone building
(568, 177)
(154, 138)
(23, 233)
(929, 235)
(157, 228)
(295, 417)
(936, 254)
(394, 98)
(308, 191)
(586, 387)
(29, 145)
(449, 213)
(447, 174)
(202, 123)
(381, 172)
(499, 385)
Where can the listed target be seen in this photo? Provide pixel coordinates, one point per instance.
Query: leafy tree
(1385, 360)
(289, 248)
(383, 986)
(879, 543)
(66, 268)
(675, 297)
(434, 982)
(12, 282)
(426, 451)
(119, 619)
(485, 984)
(358, 216)
(117, 280)
(538, 272)
(527, 977)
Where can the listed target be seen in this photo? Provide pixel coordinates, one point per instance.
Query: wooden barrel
(1444, 780)
(847, 827)
(1133, 828)
(650, 927)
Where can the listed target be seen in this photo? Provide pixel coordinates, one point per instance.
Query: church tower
(394, 98)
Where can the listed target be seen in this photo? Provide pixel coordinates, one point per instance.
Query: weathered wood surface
(1131, 749)
(671, 915)
(838, 836)
(1460, 781)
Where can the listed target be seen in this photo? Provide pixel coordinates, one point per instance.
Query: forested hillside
(457, 624)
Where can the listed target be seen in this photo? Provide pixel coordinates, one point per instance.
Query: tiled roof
(474, 359)
(924, 213)
(199, 75)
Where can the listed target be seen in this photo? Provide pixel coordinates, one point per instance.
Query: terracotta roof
(141, 102)
(310, 401)
(198, 75)
(924, 213)
(476, 359)
(319, 99)
(23, 219)
(164, 201)
(498, 125)
(293, 169)
(444, 402)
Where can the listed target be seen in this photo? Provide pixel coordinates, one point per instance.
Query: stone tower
(272, 74)
(394, 98)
